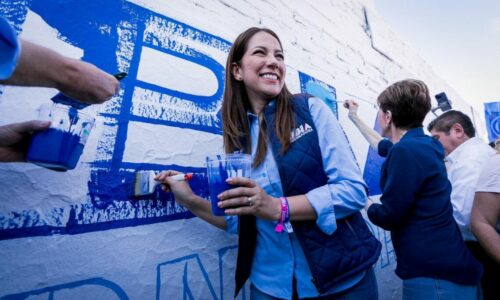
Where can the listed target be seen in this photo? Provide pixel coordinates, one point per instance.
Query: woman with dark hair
(415, 203)
(301, 181)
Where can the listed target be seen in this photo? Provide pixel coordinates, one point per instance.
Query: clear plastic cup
(60, 146)
(222, 167)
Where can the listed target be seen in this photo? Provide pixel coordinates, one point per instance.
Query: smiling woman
(261, 69)
(284, 213)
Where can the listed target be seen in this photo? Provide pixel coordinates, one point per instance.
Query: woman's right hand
(352, 106)
(181, 189)
(185, 197)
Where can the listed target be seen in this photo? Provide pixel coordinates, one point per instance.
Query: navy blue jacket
(416, 208)
(331, 258)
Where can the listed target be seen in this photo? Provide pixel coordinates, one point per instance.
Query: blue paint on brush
(55, 149)
(63, 99)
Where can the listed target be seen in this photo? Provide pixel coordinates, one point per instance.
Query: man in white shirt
(485, 220)
(466, 156)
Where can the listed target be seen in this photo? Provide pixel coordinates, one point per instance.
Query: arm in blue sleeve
(345, 191)
(404, 176)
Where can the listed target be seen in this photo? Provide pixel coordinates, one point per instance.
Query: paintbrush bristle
(145, 183)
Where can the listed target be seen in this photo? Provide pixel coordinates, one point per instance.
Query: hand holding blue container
(60, 146)
(222, 167)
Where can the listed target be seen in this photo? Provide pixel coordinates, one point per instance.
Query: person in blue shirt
(415, 205)
(24, 63)
(304, 178)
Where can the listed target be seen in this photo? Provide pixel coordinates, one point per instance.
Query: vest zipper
(315, 282)
(350, 227)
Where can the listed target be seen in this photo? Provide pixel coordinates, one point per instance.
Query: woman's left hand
(248, 198)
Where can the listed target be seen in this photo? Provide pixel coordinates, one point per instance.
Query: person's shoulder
(301, 98)
(489, 178)
(419, 140)
(402, 147)
(300, 101)
(316, 106)
(494, 161)
(475, 152)
(418, 146)
(383, 147)
(476, 145)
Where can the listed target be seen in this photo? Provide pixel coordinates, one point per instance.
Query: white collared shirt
(465, 163)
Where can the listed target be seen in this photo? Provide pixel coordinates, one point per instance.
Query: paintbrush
(63, 99)
(145, 183)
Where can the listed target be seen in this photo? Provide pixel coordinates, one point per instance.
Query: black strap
(247, 240)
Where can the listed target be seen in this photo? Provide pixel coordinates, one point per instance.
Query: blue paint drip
(55, 149)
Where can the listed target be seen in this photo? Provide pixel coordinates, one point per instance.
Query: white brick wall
(109, 246)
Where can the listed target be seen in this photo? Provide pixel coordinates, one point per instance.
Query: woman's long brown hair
(236, 104)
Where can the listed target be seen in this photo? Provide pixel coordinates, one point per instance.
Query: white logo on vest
(299, 132)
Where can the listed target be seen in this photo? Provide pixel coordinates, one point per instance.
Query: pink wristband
(285, 215)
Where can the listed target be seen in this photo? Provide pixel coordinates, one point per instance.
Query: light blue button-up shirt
(279, 256)
(10, 49)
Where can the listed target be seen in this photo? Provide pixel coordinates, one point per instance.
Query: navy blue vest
(331, 258)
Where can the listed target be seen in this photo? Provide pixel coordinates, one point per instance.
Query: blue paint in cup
(222, 167)
(59, 147)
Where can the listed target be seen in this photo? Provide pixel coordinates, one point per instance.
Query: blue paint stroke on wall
(52, 291)
(183, 269)
(371, 173)
(112, 37)
(160, 270)
(318, 88)
(191, 265)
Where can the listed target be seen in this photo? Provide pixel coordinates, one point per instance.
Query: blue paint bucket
(222, 167)
(60, 146)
